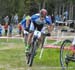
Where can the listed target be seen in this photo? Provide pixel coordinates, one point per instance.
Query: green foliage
(33, 7)
(8, 7)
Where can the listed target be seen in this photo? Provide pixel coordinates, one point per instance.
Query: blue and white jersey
(36, 19)
(23, 23)
(0, 29)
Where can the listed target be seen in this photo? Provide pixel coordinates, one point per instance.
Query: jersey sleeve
(23, 23)
(48, 20)
(34, 17)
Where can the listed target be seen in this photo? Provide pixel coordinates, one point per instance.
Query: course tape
(56, 47)
(11, 37)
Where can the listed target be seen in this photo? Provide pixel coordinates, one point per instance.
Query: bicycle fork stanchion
(41, 53)
(57, 38)
(62, 34)
(45, 42)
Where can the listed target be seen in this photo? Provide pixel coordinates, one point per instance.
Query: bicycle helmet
(43, 12)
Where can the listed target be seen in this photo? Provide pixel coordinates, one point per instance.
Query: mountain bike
(67, 57)
(35, 45)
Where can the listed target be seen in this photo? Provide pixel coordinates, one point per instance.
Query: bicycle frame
(34, 45)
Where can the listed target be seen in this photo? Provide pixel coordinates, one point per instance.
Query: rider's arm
(50, 25)
(34, 17)
(27, 23)
(23, 24)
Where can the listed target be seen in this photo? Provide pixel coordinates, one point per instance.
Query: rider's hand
(48, 34)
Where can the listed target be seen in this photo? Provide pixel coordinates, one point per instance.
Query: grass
(50, 58)
(14, 58)
(50, 41)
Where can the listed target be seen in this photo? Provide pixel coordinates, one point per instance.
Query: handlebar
(46, 34)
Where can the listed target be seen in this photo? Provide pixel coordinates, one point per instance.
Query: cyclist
(20, 29)
(25, 23)
(37, 22)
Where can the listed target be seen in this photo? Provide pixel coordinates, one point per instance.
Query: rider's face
(28, 21)
(42, 18)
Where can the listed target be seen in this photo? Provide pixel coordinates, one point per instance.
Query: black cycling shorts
(38, 27)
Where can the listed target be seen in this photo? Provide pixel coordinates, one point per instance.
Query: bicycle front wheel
(33, 53)
(43, 40)
(64, 53)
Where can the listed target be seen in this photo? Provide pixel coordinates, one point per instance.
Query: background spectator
(65, 15)
(53, 18)
(10, 30)
(0, 30)
(6, 29)
(20, 29)
(6, 19)
(16, 19)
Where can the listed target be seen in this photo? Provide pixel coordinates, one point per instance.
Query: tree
(34, 8)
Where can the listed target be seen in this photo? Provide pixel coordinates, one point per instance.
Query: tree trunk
(71, 11)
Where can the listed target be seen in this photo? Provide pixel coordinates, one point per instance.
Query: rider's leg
(30, 35)
(29, 39)
(25, 38)
(39, 27)
(73, 47)
(40, 41)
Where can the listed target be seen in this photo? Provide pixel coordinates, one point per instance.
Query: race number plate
(25, 32)
(37, 33)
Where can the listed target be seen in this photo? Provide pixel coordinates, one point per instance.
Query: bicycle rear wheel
(64, 53)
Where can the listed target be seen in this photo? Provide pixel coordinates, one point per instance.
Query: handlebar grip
(48, 34)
